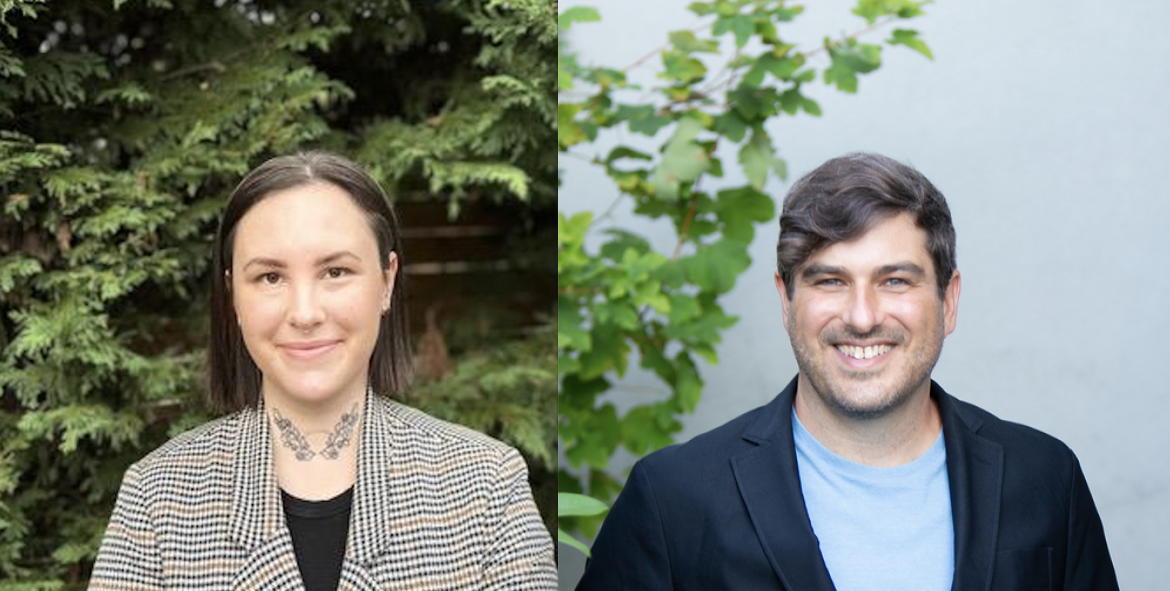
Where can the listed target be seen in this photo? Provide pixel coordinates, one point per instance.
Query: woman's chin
(310, 391)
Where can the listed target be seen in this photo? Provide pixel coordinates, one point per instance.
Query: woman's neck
(315, 444)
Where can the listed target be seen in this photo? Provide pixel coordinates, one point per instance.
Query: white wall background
(1046, 125)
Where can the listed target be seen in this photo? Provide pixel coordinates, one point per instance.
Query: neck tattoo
(337, 439)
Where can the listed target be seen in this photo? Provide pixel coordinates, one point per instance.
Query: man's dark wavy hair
(846, 196)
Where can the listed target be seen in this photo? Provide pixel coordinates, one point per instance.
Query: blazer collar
(975, 472)
(769, 483)
(257, 514)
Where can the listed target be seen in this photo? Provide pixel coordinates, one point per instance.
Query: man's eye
(896, 282)
(829, 282)
(337, 272)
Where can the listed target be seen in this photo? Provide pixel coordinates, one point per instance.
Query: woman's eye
(337, 272)
(270, 278)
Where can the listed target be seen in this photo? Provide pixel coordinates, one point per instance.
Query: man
(863, 473)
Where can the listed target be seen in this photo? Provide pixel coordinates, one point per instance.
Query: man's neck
(895, 438)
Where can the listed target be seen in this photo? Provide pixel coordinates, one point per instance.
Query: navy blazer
(725, 511)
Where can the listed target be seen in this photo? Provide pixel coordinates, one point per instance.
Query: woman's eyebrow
(279, 264)
(325, 260)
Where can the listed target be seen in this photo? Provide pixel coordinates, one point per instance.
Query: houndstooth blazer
(436, 506)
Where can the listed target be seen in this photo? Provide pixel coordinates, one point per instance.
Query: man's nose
(862, 311)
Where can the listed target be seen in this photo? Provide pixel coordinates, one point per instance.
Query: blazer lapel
(369, 535)
(257, 518)
(975, 472)
(769, 483)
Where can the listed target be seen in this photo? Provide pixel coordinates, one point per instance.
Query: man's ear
(784, 303)
(951, 302)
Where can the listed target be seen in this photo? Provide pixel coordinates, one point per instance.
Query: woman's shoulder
(430, 431)
(197, 447)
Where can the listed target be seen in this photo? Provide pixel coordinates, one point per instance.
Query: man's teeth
(863, 352)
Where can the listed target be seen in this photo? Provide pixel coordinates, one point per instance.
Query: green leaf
(871, 10)
(610, 351)
(598, 438)
(740, 209)
(683, 308)
(570, 334)
(910, 39)
(577, 14)
(778, 65)
(683, 161)
(859, 57)
(688, 386)
(571, 231)
(574, 505)
(569, 132)
(756, 158)
(607, 77)
(741, 24)
(681, 67)
(565, 538)
(715, 267)
(791, 100)
(686, 42)
(731, 126)
(753, 104)
(625, 152)
(618, 313)
(700, 8)
(622, 241)
(811, 107)
(642, 430)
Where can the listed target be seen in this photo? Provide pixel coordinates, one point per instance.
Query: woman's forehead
(309, 221)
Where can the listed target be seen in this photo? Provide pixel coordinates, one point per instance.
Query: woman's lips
(310, 349)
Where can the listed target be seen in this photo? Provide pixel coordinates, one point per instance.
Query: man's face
(865, 319)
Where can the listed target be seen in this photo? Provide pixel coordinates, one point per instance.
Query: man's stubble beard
(834, 391)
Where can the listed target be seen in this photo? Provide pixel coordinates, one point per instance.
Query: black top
(319, 530)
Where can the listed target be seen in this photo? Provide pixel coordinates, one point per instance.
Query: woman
(316, 480)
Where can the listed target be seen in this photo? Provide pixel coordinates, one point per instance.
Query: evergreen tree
(125, 124)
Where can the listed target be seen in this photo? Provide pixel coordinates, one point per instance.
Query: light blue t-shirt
(879, 528)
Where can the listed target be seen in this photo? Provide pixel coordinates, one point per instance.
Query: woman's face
(309, 291)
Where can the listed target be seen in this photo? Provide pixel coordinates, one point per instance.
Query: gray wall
(1045, 124)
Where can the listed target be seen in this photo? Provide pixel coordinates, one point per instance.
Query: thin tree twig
(582, 157)
(682, 234)
(853, 35)
(609, 210)
(642, 59)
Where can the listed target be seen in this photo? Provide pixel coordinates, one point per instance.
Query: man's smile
(860, 352)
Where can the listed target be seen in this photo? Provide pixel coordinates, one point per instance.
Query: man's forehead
(893, 241)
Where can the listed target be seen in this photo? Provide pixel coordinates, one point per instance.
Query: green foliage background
(124, 124)
(719, 85)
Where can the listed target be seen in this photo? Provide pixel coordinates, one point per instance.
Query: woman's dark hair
(234, 379)
(846, 196)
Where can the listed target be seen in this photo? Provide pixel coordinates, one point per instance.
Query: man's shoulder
(1028, 453)
(1004, 432)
